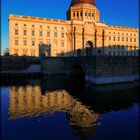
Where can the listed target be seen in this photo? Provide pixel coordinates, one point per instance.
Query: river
(67, 108)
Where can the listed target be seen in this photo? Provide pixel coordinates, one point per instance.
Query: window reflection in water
(29, 102)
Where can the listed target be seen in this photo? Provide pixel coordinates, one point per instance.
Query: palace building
(81, 34)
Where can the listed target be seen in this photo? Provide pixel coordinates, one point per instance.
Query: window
(16, 24)
(134, 39)
(109, 37)
(24, 25)
(33, 43)
(55, 28)
(85, 13)
(55, 34)
(122, 38)
(130, 39)
(16, 42)
(118, 38)
(81, 13)
(74, 14)
(48, 27)
(62, 35)
(40, 26)
(127, 39)
(62, 44)
(77, 14)
(48, 42)
(40, 42)
(48, 34)
(25, 52)
(24, 42)
(33, 33)
(16, 32)
(89, 14)
(24, 32)
(92, 14)
(16, 51)
(32, 53)
(33, 25)
(114, 38)
(40, 33)
(55, 43)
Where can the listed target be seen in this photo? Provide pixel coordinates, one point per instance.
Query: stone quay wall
(17, 66)
(97, 69)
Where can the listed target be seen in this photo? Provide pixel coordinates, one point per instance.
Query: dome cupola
(75, 2)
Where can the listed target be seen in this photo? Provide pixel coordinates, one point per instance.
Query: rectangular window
(134, 39)
(62, 35)
(114, 38)
(123, 39)
(33, 33)
(126, 39)
(48, 42)
(32, 53)
(48, 34)
(16, 32)
(16, 51)
(40, 42)
(130, 39)
(62, 44)
(16, 42)
(109, 37)
(118, 38)
(73, 14)
(55, 34)
(24, 32)
(24, 42)
(33, 43)
(40, 33)
(25, 52)
(85, 13)
(55, 43)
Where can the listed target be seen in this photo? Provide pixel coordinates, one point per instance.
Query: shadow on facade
(107, 50)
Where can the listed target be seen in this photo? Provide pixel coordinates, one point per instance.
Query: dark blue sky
(114, 12)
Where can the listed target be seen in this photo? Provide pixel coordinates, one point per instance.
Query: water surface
(58, 108)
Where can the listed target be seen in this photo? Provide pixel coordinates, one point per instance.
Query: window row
(122, 39)
(48, 27)
(87, 14)
(25, 52)
(122, 47)
(122, 53)
(123, 34)
(33, 33)
(55, 43)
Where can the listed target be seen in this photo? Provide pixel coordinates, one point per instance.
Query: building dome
(74, 2)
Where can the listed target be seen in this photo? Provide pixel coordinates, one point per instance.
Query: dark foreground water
(57, 108)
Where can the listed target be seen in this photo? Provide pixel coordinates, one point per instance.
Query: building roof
(74, 2)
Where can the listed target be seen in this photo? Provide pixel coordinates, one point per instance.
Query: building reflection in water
(28, 101)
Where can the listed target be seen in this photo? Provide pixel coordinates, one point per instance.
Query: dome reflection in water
(80, 109)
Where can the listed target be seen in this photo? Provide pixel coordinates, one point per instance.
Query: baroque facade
(81, 34)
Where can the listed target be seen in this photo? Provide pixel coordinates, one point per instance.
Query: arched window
(73, 14)
(81, 13)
